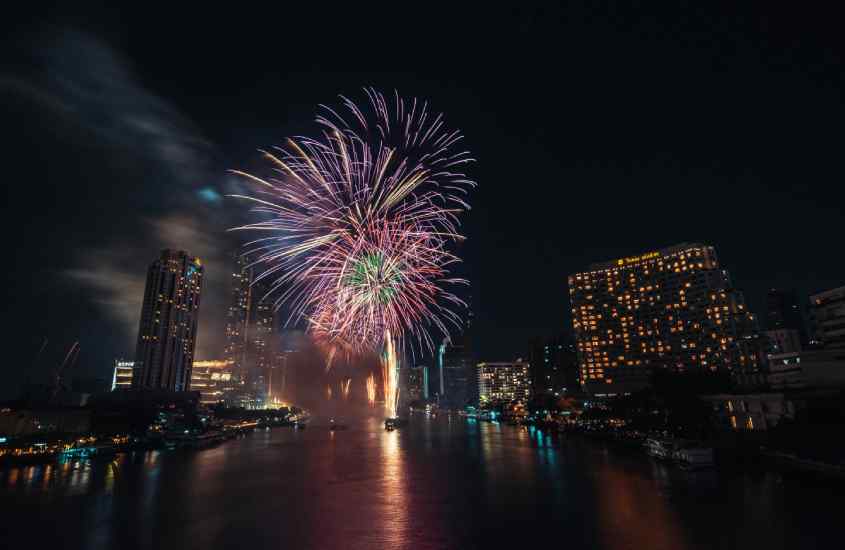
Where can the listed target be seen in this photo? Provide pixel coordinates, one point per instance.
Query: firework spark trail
(371, 390)
(390, 378)
(359, 223)
(345, 387)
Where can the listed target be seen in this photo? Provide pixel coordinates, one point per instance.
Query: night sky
(598, 132)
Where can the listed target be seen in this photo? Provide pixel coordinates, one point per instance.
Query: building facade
(554, 367)
(455, 375)
(783, 312)
(251, 335)
(214, 380)
(122, 374)
(504, 382)
(168, 327)
(827, 316)
(672, 309)
(417, 377)
(784, 340)
(237, 316)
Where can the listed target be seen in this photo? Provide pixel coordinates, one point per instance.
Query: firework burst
(359, 223)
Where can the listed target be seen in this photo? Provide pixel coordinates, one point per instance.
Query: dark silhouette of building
(455, 369)
(783, 312)
(672, 309)
(168, 327)
(554, 367)
(827, 311)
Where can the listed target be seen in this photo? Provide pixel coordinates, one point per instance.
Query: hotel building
(504, 382)
(672, 309)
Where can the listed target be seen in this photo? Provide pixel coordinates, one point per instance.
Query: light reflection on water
(436, 483)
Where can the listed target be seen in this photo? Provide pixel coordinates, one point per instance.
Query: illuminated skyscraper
(168, 328)
(237, 317)
(250, 345)
(672, 309)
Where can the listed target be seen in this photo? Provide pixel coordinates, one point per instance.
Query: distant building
(785, 372)
(784, 313)
(237, 316)
(554, 367)
(673, 309)
(751, 412)
(213, 380)
(455, 370)
(416, 383)
(784, 340)
(504, 382)
(251, 344)
(827, 314)
(122, 374)
(168, 328)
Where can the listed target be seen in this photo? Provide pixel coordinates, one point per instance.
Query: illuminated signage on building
(635, 259)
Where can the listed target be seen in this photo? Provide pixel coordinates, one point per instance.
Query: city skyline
(140, 109)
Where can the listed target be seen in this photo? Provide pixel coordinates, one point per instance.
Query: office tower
(827, 314)
(554, 367)
(168, 328)
(122, 374)
(672, 309)
(504, 382)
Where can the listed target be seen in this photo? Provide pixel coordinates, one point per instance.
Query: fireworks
(359, 222)
(371, 390)
(390, 378)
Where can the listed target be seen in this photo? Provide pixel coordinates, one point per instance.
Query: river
(444, 483)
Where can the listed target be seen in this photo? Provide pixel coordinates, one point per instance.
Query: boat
(334, 426)
(663, 449)
(693, 456)
(393, 423)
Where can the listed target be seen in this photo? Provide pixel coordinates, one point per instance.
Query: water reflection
(435, 484)
(631, 514)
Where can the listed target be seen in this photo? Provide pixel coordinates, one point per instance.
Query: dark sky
(599, 132)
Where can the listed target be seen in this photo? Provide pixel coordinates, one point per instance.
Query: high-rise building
(122, 375)
(168, 329)
(250, 328)
(827, 314)
(554, 367)
(672, 309)
(237, 316)
(504, 382)
(262, 350)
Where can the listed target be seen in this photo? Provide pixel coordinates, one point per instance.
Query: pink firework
(359, 223)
